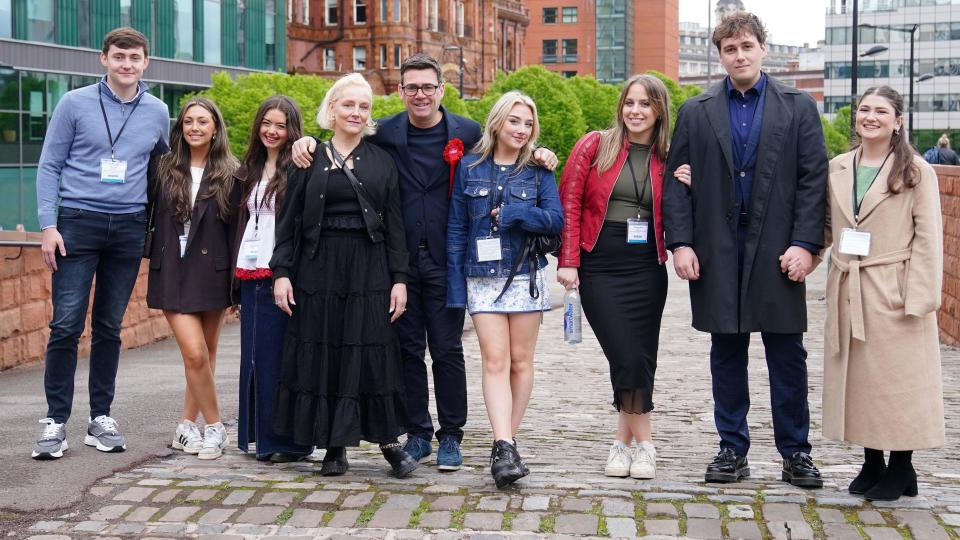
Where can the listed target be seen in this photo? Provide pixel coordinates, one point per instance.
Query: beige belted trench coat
(882, 382)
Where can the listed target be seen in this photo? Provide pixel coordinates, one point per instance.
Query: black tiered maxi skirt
(342, 376)
(623, 289)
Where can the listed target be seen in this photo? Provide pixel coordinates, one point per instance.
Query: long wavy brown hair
(611, 139)
(905, 173)
(174, 170)
(256, 157)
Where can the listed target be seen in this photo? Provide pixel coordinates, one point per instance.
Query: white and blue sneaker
(52, 442)
(102, 433)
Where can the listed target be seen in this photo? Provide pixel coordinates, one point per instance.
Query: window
(568, 74)
(126, 11)
(359, 58)
(383, 57)
(549, 15)
(83, 24)
(569, 50)
(305, 15)
(397, 53)
(332, 17)
(382, 15)
(360, 11)
(6, 19)
(329, 60)
(549, 51)
(40, 21)
(569, 15)
(270, 36)
(183, 30)
(211, 32)
(460, 14)
(433, 14)
(241, 37)
(396, 10)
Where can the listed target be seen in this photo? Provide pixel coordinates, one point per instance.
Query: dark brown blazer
(201, 280)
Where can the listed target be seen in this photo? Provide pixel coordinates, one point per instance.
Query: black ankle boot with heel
(899, 479)
(871, 472)
(401, 463)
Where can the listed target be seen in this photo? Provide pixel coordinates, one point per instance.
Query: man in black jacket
(744, 234)
(417, 139)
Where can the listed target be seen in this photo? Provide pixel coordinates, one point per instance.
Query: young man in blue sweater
(91, 201)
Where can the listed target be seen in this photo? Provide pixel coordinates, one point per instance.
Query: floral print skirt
(482, 294)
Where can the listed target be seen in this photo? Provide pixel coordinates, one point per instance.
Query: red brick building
(609, 39)
(332, 37)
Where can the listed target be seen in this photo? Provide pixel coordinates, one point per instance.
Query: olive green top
(623, 201)
(865, 177)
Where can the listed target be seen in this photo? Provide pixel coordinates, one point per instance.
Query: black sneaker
(401, 463)
(727, 467)
(523, 464)
(505, 464)
(335, 462)
(800, 471)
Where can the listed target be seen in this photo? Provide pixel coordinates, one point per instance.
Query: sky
(788, 22)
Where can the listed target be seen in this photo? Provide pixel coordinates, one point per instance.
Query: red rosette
(452, 153)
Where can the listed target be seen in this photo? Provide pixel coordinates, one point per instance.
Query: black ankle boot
(505, 464)
(899, 479)
(871, 472)
(335, 462)
(401, 463)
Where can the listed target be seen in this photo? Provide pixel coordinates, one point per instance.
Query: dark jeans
(787, 366)
(109, 246)
(428, 322)
(262, 328)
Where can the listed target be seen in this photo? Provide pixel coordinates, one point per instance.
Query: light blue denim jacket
(476, 191)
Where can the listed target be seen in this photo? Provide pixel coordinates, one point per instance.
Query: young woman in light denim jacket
(499, 198)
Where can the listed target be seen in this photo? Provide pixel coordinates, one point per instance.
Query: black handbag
(534, 245)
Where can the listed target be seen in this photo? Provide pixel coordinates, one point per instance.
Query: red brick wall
(949, 314)
(25, 310)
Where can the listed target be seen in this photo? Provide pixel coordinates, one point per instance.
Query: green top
(623, 200)
(865, 177)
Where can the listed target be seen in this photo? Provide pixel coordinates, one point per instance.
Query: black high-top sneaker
(505, 464)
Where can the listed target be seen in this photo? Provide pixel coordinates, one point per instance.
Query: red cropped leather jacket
(585, 194)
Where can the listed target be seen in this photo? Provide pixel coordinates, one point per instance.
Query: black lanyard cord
(636, 191)
(113, 142)
(856, 201)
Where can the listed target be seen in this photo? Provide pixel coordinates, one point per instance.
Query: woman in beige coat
(882, 383)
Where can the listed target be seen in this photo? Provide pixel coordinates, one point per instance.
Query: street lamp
(878, 49)
(460, 48)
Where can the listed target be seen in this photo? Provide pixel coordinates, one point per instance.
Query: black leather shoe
(523, 464)
(283, 457)
(401, 463)
(505, 464)
(727, 467)
(800, 471)
(335, 462)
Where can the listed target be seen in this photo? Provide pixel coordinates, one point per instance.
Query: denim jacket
(476, 191)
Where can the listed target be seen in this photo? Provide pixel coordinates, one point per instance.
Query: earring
(896, 131)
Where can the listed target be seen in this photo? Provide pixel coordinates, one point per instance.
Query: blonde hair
(495, 120)
(611, 140)
(944, 141)
(324, 119)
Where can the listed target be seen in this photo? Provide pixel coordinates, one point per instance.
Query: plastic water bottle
(572, 330)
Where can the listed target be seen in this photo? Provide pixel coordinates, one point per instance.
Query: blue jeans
(109, 246)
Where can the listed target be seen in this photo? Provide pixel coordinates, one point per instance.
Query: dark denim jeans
(109, 246)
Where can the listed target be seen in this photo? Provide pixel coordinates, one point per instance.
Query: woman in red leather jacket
(613, 251)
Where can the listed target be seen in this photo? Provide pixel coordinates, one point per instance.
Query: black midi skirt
(623, 289)
(341, 378)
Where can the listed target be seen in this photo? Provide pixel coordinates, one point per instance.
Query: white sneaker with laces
(188, 438)
(214, 441)
(618, 462)
(644, 466)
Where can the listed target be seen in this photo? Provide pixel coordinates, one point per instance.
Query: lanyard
(856, 202)
(635, 190)
(257, 205)
(113, 142)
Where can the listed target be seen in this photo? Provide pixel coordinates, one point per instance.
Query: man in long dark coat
(744, 234)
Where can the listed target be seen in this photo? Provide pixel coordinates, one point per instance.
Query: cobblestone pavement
(567, 430)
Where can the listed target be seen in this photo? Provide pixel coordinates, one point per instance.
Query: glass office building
(614, 40)
(49, 47)
(936, 59)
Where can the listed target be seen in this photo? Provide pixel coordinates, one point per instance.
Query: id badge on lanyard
(251, 248)
(854, 242)
(113, 171)
(183, 245)
(488, 249)
(637, 231)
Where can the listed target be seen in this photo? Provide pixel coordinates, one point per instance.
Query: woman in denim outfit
(500, 196)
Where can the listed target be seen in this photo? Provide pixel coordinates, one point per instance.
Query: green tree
(598, 101)
(676, 93)
(452, 102)
(841, 123)
(692, 90)
(836, 142)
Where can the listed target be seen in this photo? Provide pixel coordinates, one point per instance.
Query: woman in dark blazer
(340, 270)
(190, 261)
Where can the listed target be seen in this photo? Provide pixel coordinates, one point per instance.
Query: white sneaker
(644, 466)
(188, 438)
(214, 441)
(618, 462)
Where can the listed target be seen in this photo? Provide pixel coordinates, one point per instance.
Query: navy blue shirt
(744, 109)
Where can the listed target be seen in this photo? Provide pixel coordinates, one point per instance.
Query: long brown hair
(611, 140)
(905, 173)
(174, 170)
(256, 157)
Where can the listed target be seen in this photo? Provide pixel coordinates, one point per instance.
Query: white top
(196, 173)
(260, 229)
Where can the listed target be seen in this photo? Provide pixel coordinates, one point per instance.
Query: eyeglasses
(427, 89)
